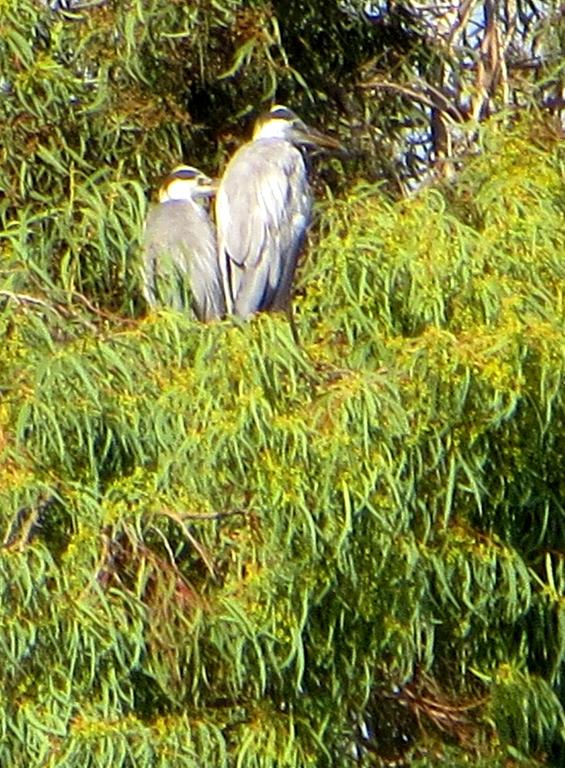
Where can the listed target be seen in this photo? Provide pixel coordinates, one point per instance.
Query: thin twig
(433, 99)
(102, 313)
(25, 298)
(212, 515)
(195, 543)
(58, 308)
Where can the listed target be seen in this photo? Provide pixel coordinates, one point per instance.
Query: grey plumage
(263, 209)
(180, 268)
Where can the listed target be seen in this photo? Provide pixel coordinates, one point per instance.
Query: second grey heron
(263, 208)
(180, 267)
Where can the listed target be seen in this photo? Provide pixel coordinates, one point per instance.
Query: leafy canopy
(221, 548)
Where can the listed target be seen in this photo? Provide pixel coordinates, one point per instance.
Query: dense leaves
(210, 531)
(223, 548)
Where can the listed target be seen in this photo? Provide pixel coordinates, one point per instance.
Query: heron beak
(208, 187)
(318, 140)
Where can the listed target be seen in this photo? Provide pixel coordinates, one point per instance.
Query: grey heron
(263, 208)
(180, 268)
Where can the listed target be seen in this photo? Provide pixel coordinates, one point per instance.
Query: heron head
(186, 183)
(280, 122)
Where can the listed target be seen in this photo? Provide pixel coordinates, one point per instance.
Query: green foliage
(221, 548)
(85, 128)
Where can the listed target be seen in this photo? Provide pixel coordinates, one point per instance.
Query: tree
(223, 549)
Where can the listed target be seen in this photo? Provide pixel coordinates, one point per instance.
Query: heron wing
(262, 210)
(180, 268)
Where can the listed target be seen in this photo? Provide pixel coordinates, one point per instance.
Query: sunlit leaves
(221, 547)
